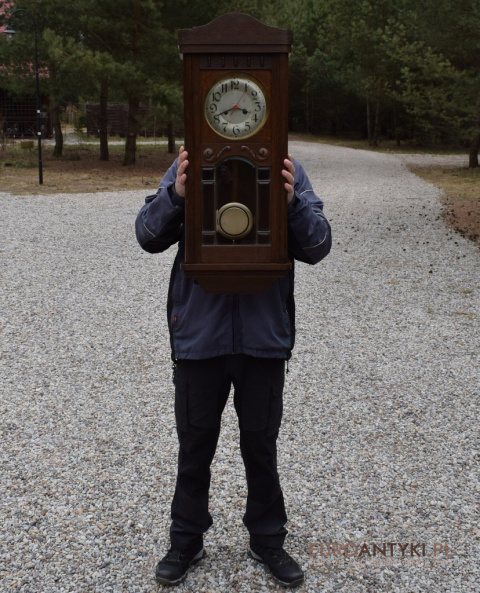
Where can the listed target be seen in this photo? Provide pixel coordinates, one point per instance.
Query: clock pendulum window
(236, 203)
(236, 134)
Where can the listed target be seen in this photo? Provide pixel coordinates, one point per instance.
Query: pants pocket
(203, 408)
(261, 409)
(196, 407)
(276, 410)
(181, 405)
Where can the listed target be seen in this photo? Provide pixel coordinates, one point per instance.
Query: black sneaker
(173, 567)
(283, 567)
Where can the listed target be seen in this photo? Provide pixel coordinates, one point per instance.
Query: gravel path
(380, 435)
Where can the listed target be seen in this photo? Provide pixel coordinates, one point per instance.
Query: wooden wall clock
(236, 135)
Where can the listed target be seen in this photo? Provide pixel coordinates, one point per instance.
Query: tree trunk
(473, 155)
(307, 111)
(369, 120)
(395, 128)
(103, 121)
(376, 131)
(132, 131)
(171, 137)
(57, 128)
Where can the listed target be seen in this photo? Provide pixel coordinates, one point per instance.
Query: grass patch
(80, 170)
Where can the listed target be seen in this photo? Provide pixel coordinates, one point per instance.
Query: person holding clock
(224, 340)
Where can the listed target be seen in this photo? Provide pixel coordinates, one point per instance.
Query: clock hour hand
(232, 109)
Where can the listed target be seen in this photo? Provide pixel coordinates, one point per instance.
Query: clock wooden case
(236, 135)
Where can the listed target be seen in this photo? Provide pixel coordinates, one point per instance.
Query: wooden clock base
(236, 278)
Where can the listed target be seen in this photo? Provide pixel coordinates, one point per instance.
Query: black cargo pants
(201, 391)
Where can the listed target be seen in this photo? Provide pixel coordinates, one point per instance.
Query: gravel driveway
(379, 443)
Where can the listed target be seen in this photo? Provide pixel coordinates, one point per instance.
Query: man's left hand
(289, 174)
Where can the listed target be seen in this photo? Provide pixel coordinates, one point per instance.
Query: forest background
(402, 70)
(400, 73)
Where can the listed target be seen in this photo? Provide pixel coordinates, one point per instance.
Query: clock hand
(235, 107)
(244, 111)
(232, 109)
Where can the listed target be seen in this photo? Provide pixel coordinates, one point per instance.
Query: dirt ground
(81, 171)
(461, 197)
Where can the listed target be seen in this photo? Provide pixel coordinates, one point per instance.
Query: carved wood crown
(240, 32)
(211, 155)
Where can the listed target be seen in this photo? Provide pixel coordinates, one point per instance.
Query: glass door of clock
(236, 203)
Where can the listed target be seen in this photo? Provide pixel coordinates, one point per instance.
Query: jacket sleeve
(309, 232)
(159, 223)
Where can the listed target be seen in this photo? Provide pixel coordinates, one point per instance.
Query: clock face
(236, 107)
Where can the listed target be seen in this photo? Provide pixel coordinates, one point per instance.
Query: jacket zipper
(233, 308)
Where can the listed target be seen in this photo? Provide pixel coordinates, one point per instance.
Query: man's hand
(181, 175)
(289, 174)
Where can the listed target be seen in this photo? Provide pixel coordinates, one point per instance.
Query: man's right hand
(181, 175)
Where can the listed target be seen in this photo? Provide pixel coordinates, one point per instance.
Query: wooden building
(18, 117)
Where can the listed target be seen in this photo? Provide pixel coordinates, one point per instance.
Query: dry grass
(80, 170)
(385, 145)
(461, 188)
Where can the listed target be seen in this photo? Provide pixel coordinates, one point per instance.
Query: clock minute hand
(235, 107)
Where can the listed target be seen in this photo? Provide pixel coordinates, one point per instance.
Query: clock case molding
(235, 45)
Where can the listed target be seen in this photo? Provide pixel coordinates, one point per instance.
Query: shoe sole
(258, 558)
(200, 556)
